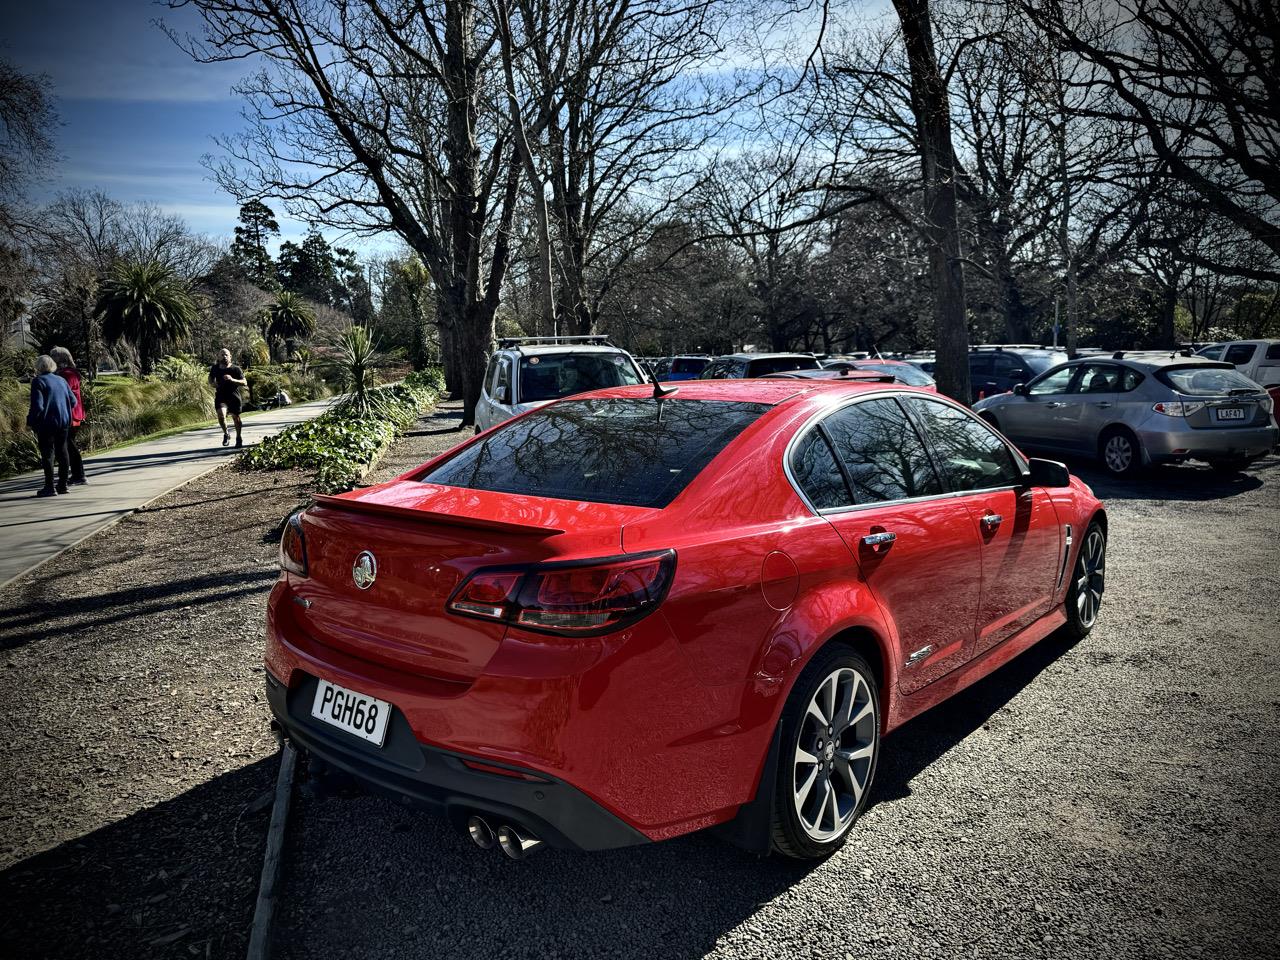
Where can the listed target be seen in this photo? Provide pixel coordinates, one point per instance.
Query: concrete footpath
(34, 529)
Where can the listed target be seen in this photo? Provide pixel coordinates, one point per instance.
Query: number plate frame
(1230, 413)
(339, 707)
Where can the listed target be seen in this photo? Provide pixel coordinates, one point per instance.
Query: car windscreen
(636, 452)
(1208, 381)
(694, 365)
(767, 365)
(1040, 362)
(550, 376)
(903, 372)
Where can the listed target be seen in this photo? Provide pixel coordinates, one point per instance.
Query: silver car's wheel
(1090, 574)
(834, 754)
(1118, 453)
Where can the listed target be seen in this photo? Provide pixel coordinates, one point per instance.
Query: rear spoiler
(434, 516)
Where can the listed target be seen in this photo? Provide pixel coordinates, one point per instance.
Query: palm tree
(356, 359)
(288, 318)
(147, 304)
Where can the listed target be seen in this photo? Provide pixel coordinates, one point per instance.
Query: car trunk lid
(424, 540)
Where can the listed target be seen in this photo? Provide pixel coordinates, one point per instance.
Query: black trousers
(53, 446)
(73, 455)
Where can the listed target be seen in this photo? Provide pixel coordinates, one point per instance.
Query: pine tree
(249, 249)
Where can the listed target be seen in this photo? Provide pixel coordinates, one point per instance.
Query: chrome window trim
(813, 420)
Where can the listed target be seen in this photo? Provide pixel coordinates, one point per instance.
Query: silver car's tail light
(1178, 408)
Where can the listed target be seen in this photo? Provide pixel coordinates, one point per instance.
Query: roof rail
(595, 338)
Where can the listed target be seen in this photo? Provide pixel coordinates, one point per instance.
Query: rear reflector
(580, 598)
(502, 771)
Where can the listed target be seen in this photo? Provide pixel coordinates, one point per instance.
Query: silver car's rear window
(1207, 381)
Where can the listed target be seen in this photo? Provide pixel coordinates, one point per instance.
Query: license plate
(1231, 413)
(356, 713)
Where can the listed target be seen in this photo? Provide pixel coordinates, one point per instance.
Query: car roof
(1153, 361)
(760, 390)
(533, 350)
(764, 356)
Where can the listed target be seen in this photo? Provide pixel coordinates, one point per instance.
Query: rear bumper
(439, 780)
(1187, 443)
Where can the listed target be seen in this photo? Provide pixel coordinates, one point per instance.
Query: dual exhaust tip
(515, 842)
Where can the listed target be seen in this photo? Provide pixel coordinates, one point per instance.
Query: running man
(227, 381)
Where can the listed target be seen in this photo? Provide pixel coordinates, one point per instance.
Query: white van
(1259, 360)
(528, 372)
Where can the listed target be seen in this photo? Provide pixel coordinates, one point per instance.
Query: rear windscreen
(762, 368)
(1207, 381)
(637, 452)
(694, 365)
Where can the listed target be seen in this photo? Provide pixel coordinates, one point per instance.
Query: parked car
(528, 372)
(686, 367)
(900, 370)
(743, 366)
(846, 373)
(1132, 410)
(1259, 360)
(999, 369)
(630, 615)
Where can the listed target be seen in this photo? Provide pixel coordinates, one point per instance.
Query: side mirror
(504, 395)
(1048, 473)
(1020, 389)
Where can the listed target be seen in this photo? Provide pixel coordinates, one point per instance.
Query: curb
(269, 885)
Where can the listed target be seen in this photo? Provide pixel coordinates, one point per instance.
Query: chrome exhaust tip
(480, 832)
(515, 843)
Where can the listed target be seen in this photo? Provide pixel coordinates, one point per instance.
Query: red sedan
(621, 618)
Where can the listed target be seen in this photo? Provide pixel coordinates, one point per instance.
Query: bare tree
(376, 115)
(1200, 82)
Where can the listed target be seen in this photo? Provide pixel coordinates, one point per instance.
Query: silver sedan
(1130, 410)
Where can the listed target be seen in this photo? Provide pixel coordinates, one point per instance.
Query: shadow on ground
(176, 880)
(416, 885)
(1191, 482)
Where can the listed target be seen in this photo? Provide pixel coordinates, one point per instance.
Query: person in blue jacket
(50, 417)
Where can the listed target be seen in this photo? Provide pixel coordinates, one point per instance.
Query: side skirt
(907, 706)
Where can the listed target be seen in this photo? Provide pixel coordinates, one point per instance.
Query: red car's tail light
(293, 548)
(579, 598)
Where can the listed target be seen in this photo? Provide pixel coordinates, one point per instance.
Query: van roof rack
(599, 339)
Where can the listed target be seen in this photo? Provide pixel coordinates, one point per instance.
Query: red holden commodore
(622, 617)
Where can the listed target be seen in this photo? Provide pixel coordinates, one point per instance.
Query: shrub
(121, 408)
(18, 450)
(181, 367)
(342, 443)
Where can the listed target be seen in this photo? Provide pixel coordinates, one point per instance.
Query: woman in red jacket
(67, 370)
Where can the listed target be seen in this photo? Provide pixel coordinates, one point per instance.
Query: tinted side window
(816, 471)
(881, 452)
(970, 455)
(1213, 353)
(1273, 351)
(639, 452)
(1011, 367)
(1097, 378)
(1055, 382)
(981, 365)
(1239, 353)
(1130, 379)
(489, 375)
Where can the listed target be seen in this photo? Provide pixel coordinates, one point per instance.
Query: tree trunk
(931, 106)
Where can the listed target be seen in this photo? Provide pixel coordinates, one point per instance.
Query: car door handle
(992, 520)
(879, 539)
(1104, 404)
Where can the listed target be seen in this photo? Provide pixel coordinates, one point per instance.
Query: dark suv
(995, 370)
(744, 366)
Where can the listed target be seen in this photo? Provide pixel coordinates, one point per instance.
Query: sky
(137, 114)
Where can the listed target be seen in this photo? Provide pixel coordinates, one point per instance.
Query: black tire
(1120, 452)
(845, 759)
(1089, 571)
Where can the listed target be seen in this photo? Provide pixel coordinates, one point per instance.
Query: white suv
(528, 372)
(1259, 360)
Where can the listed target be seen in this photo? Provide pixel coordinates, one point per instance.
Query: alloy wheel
(834, 753)
(1118, 453)
(1091, 570)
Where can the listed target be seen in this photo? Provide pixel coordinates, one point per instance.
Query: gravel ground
(136, 765)
(1116, 798)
